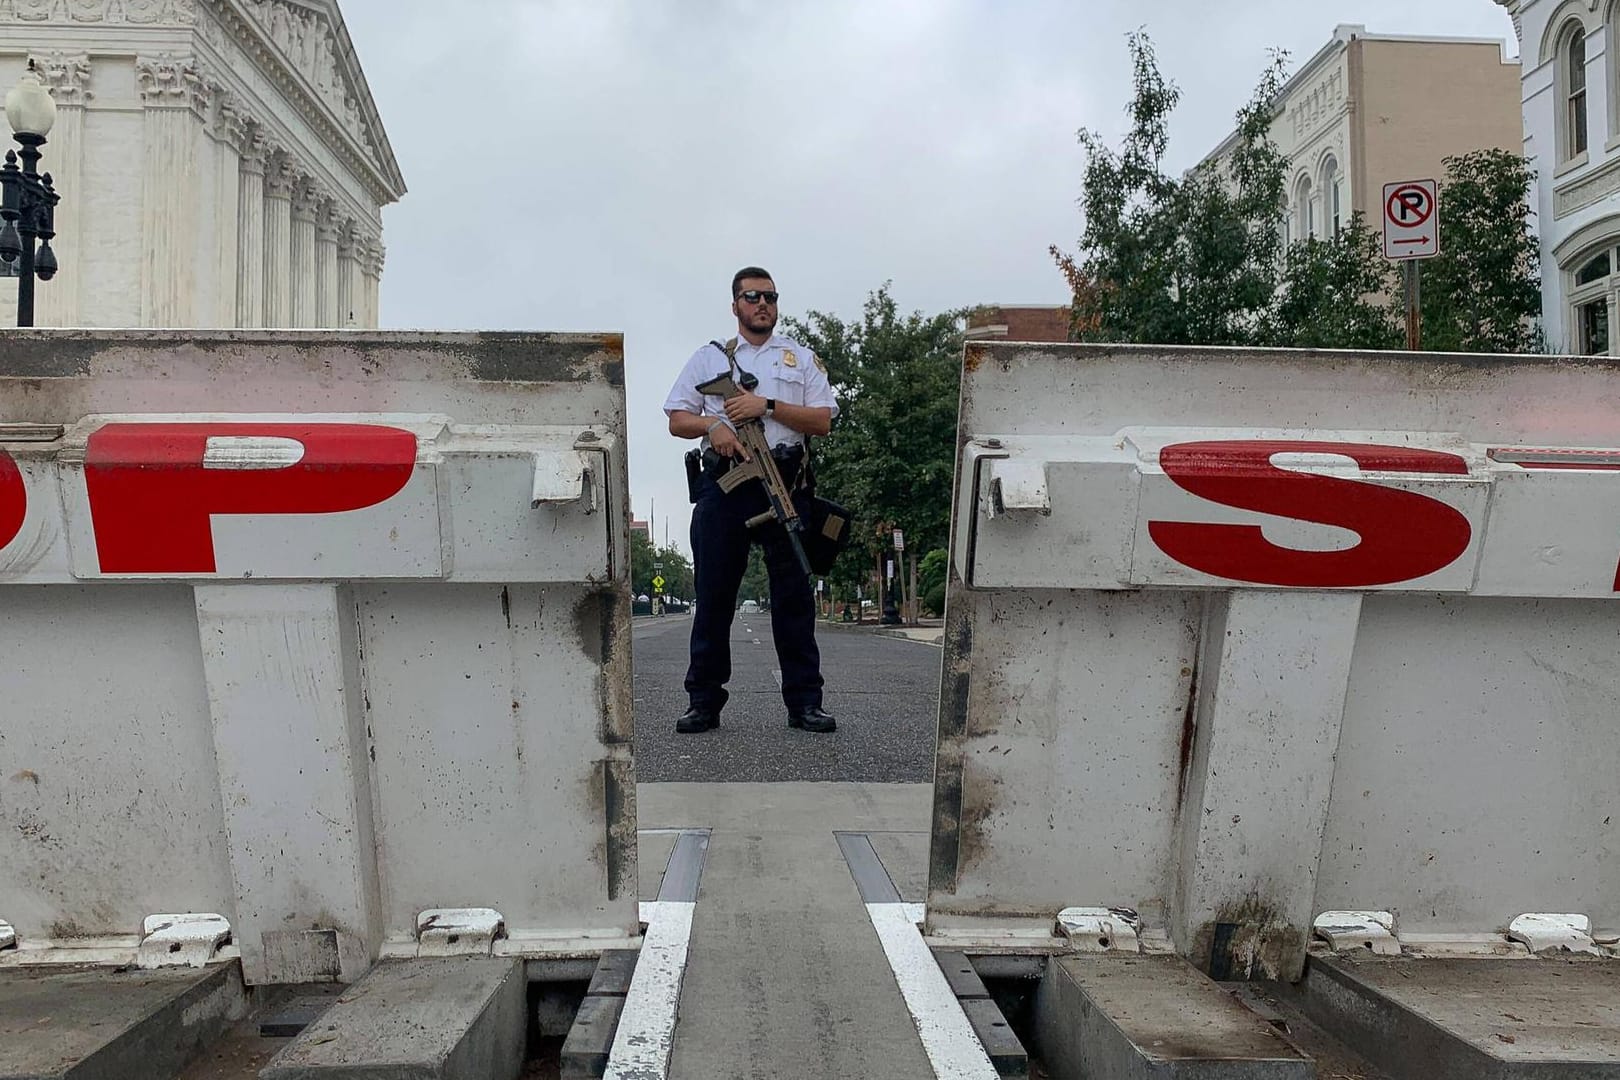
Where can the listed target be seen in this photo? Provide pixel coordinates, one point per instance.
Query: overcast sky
(605, 165)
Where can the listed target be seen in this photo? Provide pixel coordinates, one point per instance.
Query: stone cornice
(172, 82)
(65, 75)
(129, 12)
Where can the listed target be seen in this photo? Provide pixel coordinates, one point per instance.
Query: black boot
(815, 718)
(696, 720)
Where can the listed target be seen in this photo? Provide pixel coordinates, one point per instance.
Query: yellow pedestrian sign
(658, 582)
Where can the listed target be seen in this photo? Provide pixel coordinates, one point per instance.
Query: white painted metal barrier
(1238, 640)
(313, 646)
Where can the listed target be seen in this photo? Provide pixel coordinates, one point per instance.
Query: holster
(694, 474)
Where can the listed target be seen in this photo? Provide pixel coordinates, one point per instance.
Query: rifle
(760, 465)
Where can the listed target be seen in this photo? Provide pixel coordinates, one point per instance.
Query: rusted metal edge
(944, 849)
(619, 812)
(509, 356)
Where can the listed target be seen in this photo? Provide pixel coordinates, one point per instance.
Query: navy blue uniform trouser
(720, 542)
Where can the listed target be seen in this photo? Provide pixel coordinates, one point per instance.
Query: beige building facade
(1369, 109)
(221, 163)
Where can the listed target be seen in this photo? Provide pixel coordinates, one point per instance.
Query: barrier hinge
(458, 931)
(1353, 931)
(1545, 931)
(1101, 929)
(184, 940)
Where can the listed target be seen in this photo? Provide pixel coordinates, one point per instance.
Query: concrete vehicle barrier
(315, 650)
(1252, 657)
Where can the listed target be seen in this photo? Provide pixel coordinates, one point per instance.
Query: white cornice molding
(116, 12)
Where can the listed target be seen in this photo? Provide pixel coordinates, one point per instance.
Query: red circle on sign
(1427, 204)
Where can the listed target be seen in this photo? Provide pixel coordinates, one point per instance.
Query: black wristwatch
(770, 406)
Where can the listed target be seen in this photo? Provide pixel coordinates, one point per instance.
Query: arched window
(1305, 211)
(1592, 285)
(1331, 213)
(1572, 92)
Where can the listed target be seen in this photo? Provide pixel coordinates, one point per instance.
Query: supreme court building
(221, 163)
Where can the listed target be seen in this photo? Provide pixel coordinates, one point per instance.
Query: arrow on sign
(1416, 240)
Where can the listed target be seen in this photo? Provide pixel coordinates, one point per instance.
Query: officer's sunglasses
(754, 296)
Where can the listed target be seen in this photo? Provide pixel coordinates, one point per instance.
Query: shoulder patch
(816, 360)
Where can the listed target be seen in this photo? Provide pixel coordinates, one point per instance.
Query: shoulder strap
(730, 349)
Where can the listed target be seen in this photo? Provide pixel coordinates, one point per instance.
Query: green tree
(1335, 294)
(756, 582)
(677, 572)
(892, 456)
(641, 562)
(1167, 260)
(1482, 293)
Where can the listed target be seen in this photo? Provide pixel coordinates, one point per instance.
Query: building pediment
(310, 39)
(304, 41)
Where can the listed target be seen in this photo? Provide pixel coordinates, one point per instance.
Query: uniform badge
(789, 359)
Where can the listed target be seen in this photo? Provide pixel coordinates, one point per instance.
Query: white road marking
(646, 1032)
(777, 673)
(953, 1050)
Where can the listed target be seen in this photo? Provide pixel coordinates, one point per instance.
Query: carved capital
(172, 82)
(328, 226)
(306, 199)
(255, 149)
(280, 174)
(348, 237)
(233, 126)
(65, 75)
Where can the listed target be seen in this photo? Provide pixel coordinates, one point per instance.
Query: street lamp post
(27, 199)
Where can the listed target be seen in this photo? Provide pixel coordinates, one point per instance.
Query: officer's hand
(726, 443)
(745, 406)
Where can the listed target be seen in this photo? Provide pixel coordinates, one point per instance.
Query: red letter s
(151, 494)
(1403, 535)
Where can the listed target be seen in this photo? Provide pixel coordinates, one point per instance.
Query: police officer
(795, 400)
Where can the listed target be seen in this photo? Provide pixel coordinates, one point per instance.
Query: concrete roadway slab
(100, 1023)
(1450, 1019)
(785, 976)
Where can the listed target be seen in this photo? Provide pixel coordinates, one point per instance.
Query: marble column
(371, 272)
(174, 102)
(348, 274)
(232, 132)
(304, 203)
(326, 271)
(250, 252)
(278, 186)
(57, 302)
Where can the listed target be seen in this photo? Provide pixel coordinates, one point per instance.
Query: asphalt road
(883, 690)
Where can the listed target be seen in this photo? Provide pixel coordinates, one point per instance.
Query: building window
(1307, 208)
(1592, 288)
(1330, 197)
(1572, 82)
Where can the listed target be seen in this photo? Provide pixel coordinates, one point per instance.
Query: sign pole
(1414, 311)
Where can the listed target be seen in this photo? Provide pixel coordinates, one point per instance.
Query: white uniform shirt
(788, 372)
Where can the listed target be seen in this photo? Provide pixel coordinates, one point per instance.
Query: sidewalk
(929, 631)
